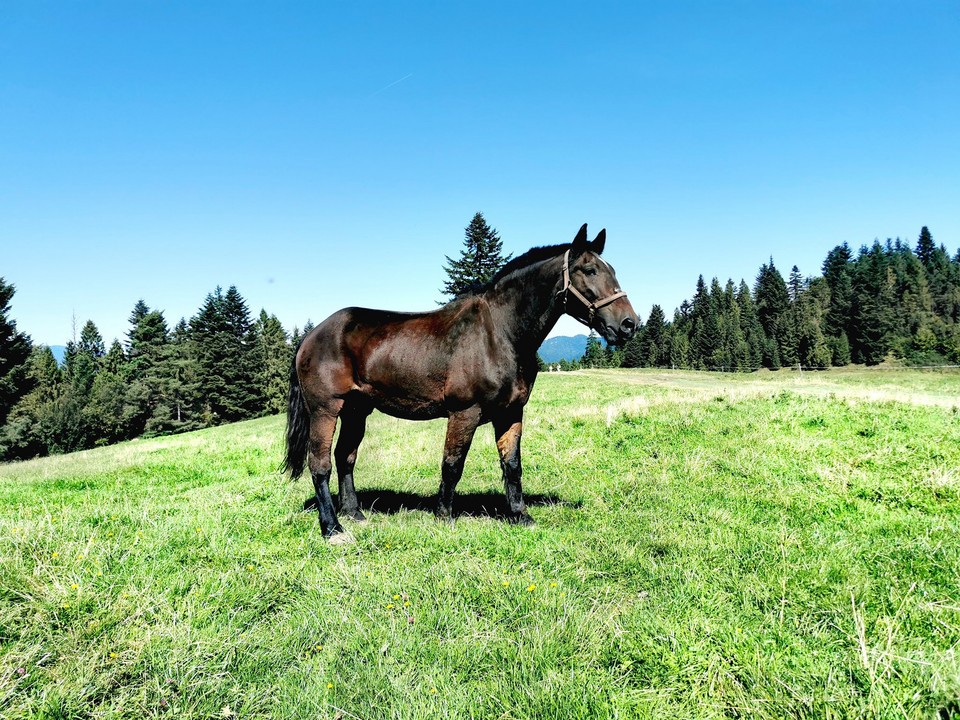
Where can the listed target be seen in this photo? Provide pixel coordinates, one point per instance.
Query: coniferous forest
(886, 301)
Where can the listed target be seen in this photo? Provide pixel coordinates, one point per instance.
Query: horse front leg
(508, 430)
(460, 429)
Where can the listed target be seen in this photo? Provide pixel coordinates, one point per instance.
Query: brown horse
(472, 361)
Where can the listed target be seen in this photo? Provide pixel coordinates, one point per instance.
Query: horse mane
(531, 257)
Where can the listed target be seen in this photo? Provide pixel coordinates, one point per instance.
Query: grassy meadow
(707, 546)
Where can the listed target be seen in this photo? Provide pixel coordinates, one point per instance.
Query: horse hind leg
(353, 422)
(322, 427)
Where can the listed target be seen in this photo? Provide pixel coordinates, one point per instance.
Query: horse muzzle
(619, 334)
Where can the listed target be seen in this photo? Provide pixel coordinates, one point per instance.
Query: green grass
(770, 545)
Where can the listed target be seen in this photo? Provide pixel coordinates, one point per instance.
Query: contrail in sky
(387, 87)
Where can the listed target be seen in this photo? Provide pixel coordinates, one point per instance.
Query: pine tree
(652, 350)
(925, 247)
(632, 356)
(226, 346)
(750, 327)
(593, 355)
(480, 259)
(837, 273)
(773, 302)
(15, 350)
(874, 305)
(148, 348)
(140, 310)
(176, 385)
(276, 355)
(33, 423)
(82, 359)
(114, 360)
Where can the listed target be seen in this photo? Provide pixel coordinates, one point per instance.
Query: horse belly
(409, 408)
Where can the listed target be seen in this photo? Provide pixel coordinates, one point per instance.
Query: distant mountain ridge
(563, 347)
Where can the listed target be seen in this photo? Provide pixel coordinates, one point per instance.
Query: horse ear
(598, 243)
(580, 241)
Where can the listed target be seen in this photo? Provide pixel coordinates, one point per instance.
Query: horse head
(592, 294)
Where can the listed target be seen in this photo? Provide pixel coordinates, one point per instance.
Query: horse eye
(590, 271)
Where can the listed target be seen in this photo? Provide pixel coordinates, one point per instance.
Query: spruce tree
(32, 424)
(925, 247)
(837, 272)
(750, 327)
(874, 305)
(15, 350)
(773, 302)
(593, 355)
(148, 348)
(651, 345)
(632, 356)
(226, 347)
(176, 384)
(275, 359)
(82, 359)
(480, 259)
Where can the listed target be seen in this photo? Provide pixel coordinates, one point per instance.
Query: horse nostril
(628, 325)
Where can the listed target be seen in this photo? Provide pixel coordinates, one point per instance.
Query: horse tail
(298, 426)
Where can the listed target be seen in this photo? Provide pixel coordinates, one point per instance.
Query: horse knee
(511, 466)
(320, 465)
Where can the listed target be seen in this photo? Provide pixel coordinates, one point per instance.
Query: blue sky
(324, 154)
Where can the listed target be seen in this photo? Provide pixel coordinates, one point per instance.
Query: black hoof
(332, 532)
(444, 516)
(356, 515)
(523, 518)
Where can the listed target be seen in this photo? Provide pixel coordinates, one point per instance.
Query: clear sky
(324, 154)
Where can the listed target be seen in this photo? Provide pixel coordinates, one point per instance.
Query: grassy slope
(767, 545)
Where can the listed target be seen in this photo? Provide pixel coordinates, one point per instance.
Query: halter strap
(592, 307)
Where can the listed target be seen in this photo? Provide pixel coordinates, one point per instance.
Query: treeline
(220, 367)
(887, 300)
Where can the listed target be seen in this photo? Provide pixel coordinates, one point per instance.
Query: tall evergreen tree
(15, 350)
(33, 424)
(652, 350)
(837, 273)
(82, 359)
(593, 355)
(750, 327)
(480, 259)
(874, 305)
(226, 347)
(925, 247)
(142, 371)
(773, 302)
(276, 356)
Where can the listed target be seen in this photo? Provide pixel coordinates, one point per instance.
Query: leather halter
(591, 307)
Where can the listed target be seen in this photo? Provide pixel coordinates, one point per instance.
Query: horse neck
(526, 304)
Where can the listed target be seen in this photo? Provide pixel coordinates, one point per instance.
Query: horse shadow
(477, 504)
